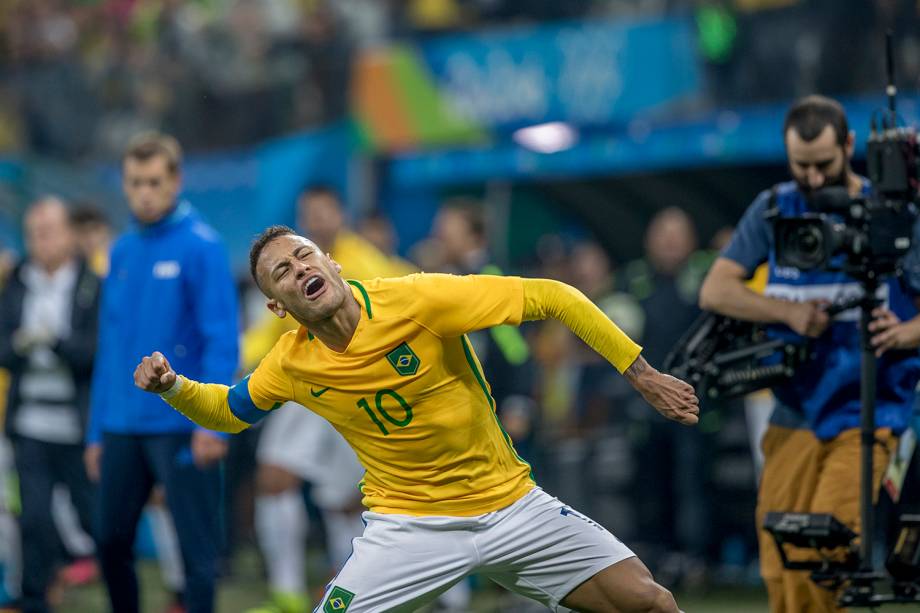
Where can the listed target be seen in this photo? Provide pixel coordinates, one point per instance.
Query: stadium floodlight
(551, 137)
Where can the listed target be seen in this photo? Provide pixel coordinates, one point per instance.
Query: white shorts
(303, 443)
(537, 547)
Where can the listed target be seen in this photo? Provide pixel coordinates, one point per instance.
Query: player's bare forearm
(204, 403)
(673, 398)
(636, 370)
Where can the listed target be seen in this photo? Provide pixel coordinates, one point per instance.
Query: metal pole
(867, 427)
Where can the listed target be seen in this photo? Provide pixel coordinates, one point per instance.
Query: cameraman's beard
(841, 180)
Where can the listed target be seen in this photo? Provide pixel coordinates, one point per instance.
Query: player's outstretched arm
(206, 404)
(544, 298)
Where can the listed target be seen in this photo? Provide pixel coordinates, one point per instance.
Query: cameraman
(812, 446)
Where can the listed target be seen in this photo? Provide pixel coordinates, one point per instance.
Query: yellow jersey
(408, 393)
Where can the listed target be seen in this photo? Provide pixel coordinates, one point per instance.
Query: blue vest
(826, 389)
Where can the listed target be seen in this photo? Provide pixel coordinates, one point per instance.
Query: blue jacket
(825, 391)
(169, 289)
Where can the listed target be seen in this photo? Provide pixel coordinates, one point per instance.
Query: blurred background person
(461, 233)
(168, 261)
(320, 212)
(93, 231)
(48, 320)
(593, 273)
(672, 516)
(378, 230)
(10, 567)
(7, 263)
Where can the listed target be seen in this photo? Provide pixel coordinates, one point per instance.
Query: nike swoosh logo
(316, 394)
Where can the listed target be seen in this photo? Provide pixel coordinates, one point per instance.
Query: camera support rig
(867, 238)
(892, 156)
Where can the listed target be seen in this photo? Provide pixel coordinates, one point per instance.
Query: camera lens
(805, 247)
(802, 242)
(809, 240)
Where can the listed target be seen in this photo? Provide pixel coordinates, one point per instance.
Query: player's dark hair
(268, 235)
(811, 114)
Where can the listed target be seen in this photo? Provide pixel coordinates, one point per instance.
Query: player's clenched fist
(673, 398)
(154, 374)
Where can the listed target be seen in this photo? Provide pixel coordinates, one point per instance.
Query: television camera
(867, 238)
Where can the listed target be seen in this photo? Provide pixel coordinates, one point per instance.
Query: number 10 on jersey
(382, 412)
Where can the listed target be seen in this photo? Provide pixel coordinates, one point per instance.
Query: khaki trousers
(805, 475)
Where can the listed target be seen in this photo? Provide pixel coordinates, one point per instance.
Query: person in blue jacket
(169, 285)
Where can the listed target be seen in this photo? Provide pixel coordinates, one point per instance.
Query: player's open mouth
(314, 287)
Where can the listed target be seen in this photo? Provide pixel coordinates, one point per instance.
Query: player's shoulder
(387, 287)
(396, 296)
(285, 346)
(382, 295)
(288, 339)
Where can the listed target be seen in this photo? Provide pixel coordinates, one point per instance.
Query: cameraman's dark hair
(811, 114)
(268, 235)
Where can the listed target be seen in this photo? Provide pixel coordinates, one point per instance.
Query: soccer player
(387, 362)
(297, 445)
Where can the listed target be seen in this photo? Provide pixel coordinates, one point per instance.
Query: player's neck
(337, 331)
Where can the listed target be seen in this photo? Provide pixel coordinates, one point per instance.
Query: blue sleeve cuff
(241, 404)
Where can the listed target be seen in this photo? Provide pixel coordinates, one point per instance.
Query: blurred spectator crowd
(78, 76)
(81, 77)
